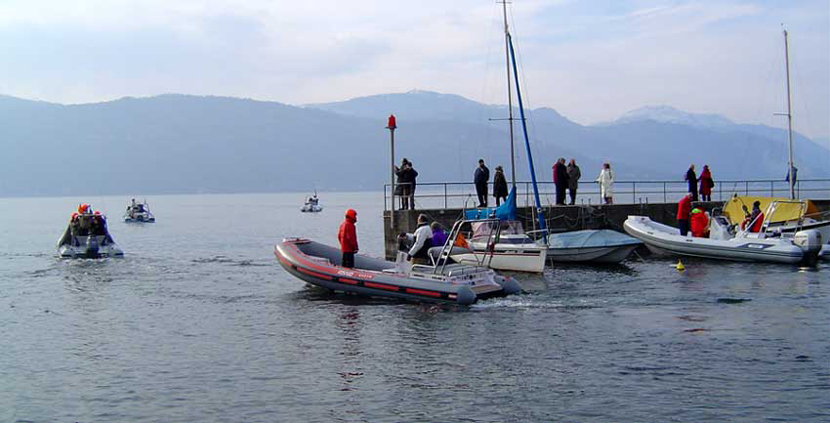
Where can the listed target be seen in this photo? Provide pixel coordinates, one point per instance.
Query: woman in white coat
(606, 183)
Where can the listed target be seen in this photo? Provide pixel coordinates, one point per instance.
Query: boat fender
(466, 296)
(510, 286)
(680, 267)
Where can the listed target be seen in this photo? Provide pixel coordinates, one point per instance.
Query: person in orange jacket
(348, 238)
(684, 209)
(699, 223)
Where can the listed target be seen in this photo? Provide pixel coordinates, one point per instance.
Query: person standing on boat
(481, 178)
(560, 179)
(691, 178)
(423, 241)
(606, 183)
(706, 184)
(348, 238)
(573, 179)
(499, 185)
(684, 210)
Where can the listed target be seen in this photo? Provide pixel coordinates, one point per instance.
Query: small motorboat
(319, 264)
(725, 242)
(87, 237)
(790, 215)
(602, 246)
(139, 213)
(312, 205)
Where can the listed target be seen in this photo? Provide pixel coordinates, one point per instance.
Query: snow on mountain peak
(668, 114)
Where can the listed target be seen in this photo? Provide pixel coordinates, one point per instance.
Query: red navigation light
(391, 124)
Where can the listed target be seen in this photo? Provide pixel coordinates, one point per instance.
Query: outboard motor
(92, 246)
(810, 243)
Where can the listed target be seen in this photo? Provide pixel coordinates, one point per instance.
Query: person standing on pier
(348, 239)
(499, 185)
(411, 177)
(404, 185)
(481, 178)
(684, 210)
(606, 183)
(706, 184)
(691, 178)
(560, 179)
(573, 179)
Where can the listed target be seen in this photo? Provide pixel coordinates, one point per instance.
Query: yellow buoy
(680, 267)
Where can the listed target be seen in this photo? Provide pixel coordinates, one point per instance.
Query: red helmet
(350, 213)
(83, 208)
(74, 215)
(97, 213)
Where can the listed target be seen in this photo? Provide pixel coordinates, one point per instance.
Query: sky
(590, 60)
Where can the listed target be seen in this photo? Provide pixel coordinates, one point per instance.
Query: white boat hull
(80, 248)
(519, 258)
(665, 239)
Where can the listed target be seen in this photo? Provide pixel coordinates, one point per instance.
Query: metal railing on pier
(436, 195)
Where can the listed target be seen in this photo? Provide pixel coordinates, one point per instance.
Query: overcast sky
(590, 60)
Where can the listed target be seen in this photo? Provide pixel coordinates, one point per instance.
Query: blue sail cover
(506, 211)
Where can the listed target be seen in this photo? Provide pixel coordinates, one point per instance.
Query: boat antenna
(509, 92)
(790, 176)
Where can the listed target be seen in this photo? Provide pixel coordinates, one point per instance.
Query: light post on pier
(391, 126)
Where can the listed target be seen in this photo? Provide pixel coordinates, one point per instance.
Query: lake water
(198, 323)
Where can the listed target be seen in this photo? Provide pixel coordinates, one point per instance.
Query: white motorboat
(312, 205)
(139, 213)
(87, 236)
(790, 215)
(602, 246)
(504, 245)
(726, 243)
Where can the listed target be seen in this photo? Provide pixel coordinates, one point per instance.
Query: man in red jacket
(684, 209)
(348, 238)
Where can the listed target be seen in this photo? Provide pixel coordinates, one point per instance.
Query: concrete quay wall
(559, 218)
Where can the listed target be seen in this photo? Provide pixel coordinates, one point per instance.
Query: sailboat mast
(790, 172)
(509, 94)
(539, 215)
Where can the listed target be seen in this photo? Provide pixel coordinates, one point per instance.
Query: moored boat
(312, 205)
(319, 264)
(724, 244)
(87, 236)
(602, 246)
(505, 246)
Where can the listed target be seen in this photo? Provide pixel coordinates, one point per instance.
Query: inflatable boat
(602, 246)
(87, 237)
(319, 264)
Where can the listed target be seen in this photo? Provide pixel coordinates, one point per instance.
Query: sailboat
(510, 248)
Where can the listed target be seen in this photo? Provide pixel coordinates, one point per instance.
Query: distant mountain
(668, 114)
(192, 144)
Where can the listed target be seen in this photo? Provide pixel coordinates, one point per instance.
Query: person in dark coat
(403, 188)
(411, 175)
(560, 179)
(691, 178)
(573, 179)
(499, 185)
(481, 178)
(706, 184)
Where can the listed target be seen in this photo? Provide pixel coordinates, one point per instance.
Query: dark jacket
(482, 175)
(691, 176)
(573, 176)
(561, 175)
(499, 185)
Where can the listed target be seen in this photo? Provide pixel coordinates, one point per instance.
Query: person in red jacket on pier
(348, 238)
(684, 209)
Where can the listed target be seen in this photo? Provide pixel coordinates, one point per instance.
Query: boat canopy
(506, 211)
(786, 209)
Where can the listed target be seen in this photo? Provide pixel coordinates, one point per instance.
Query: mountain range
(202, 144)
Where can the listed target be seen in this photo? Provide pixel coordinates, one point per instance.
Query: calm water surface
(198, 323)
